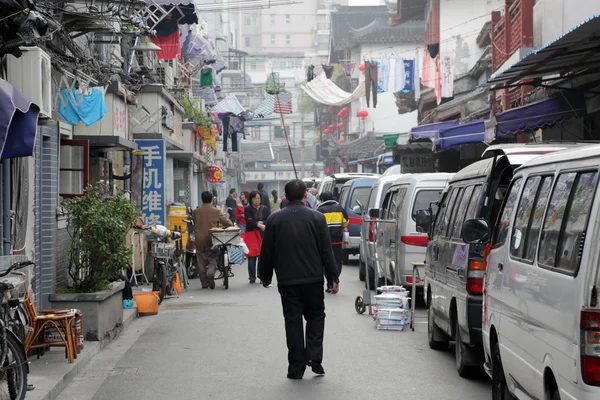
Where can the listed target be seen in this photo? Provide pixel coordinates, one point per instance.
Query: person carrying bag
(256, 215)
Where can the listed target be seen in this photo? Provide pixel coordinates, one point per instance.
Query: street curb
(82, 361)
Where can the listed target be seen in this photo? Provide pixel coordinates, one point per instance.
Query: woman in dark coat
(256, 215)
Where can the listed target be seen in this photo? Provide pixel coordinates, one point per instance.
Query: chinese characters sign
(409, 73)
(119, 117)
(153, 206)
(417, 163)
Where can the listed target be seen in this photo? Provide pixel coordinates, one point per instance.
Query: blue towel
(87, 108)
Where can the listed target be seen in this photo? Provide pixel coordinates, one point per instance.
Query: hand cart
(418, 274)
(225, 239)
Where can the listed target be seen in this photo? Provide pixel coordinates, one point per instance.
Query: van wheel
(432, 330)
(461, 355)
(499, 386)
(362, 270)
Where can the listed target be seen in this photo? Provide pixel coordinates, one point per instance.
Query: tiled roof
(365, 146)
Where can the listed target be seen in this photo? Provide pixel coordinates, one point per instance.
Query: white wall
(460, 24)
(553, 18)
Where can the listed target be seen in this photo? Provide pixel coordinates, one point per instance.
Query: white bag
(242, 244)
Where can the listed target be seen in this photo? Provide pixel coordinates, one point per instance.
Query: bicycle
(13, 360)
(225, 240)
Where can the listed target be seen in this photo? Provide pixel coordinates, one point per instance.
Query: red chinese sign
(215, 174)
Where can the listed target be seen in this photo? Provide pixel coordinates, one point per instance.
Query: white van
(541, 318)
(369, 229)
(400, 242)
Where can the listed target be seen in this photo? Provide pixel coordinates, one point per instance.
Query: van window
(437, 222)
(457, 203)
(397, 203)
(373, 197)
(423, 199)
(533, 233)
(359, 194)
(447, 210)
(566, 221)
(503, 224)
(344, 197)
(474, 203)
(523, 217)
(461, 211)
(385, 204)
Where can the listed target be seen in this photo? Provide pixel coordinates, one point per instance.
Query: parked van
(333, 183)
(400, 242)
(541, 317)
(369, 229)
(353, 198)
(455, 269)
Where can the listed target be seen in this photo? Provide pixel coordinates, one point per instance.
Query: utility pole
(302, 166)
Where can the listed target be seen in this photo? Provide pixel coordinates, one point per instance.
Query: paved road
(231, 345)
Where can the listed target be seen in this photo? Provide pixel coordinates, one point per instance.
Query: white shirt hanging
(447, 77)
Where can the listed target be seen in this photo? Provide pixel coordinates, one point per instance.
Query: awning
(575, 53)
(364, 160)
(108, 143)
(326, 92)
(460, 135)
(423, 133)
(18, 122)
(535, 115)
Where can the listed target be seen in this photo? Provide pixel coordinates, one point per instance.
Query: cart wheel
(359, 305)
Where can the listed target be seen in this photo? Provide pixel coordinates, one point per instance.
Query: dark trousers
(303, 301)
(339, 257)
(252, 261)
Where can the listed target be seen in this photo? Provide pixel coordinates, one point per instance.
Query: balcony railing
(511, 30)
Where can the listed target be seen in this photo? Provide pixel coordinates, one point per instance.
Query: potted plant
(99, 226)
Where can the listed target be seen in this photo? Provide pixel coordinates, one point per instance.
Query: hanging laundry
(328, 70)
(87, 107)
(433, 49)
(348, 67)
(384, 72)
(371, 81)
(310, 73)
(265, 108)
(206, 76)
(409, 79)
(170, 46)
(438, 81)
(447, 77)
(428, 71)
(417, 77)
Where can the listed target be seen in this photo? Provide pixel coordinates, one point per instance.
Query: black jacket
(232, 204)
(254, 216)
(337, 220)
(264, 200)
(297, 247)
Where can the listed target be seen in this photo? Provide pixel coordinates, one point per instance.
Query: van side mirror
(357, 209)
(374, 213)
(423, 220)
(475, 231)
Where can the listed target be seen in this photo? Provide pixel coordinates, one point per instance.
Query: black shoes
(291, 376)
(211, 284)
(317, 367)
(252, 281)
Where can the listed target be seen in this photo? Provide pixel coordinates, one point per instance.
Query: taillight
(410, 280)
(372, 227)
(590, 347)
(475, 276)
(415, 240)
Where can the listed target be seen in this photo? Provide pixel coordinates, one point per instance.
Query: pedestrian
(297, 247)
(239, 211)
(231, 204)
(205, 218)
(256, 215)
(311, 198)
(275, 202)
(264, 197)
(337, 220)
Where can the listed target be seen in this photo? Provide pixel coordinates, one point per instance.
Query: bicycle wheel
(14, 382)
(225, 264)
(160, 281)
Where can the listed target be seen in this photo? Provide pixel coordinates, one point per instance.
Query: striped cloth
(266, 108)
(229, 104)
(283, 103)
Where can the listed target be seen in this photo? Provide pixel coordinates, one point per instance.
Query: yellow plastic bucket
(147, 303)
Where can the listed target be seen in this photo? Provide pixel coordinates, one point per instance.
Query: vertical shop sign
(153, 205)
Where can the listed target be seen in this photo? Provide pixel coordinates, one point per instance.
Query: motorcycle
(191, 262)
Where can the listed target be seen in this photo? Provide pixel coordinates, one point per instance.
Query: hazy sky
(365, 2)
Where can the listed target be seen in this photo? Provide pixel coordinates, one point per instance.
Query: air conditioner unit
(166, 75)
(167, 118)
(145, 60)
(31, 74)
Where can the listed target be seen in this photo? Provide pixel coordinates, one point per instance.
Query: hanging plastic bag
(243, 246)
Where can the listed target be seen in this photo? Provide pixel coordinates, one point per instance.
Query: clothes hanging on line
(88, 107)
(417, 78)
(438, 81)
(433, 49)
(371, 81)
(170, 46)
(328, 70)
(447, 77)
(392, 76)
(310, 73)
(206, 76)
(409, 76)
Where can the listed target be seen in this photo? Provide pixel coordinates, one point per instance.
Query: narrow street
(231, 345)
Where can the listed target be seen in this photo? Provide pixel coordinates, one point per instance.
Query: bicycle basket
(163, 250)
(226, 237)
(20, 279)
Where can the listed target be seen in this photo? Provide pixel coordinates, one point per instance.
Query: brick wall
(61, 246)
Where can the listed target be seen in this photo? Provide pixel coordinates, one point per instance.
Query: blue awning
(460, 135)
(535, 115)
(423, 133)
(18, 122)
(363, 160)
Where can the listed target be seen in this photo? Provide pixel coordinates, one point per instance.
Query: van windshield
(360, 194)
(424, 198)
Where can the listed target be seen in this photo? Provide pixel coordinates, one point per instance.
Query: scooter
(191, 262)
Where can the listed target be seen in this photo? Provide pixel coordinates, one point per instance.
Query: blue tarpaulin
(460, 135)
(18, 122)
(423, 133)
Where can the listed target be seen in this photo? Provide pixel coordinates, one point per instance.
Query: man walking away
(337, 220)
(311, 198)
(264, 197)
(297, 247)
(231, 204)
(205, 218)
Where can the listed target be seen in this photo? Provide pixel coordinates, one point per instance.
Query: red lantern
(340, 126)
(327, 131)
(332, 127)
(341, 141)
(363, 114)
(323, 125)
(344, 112)
(361, 68)
(331, 109)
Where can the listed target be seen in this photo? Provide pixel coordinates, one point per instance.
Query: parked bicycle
(191, 262)
(224, 240)
(13, 359)
(166, 259)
